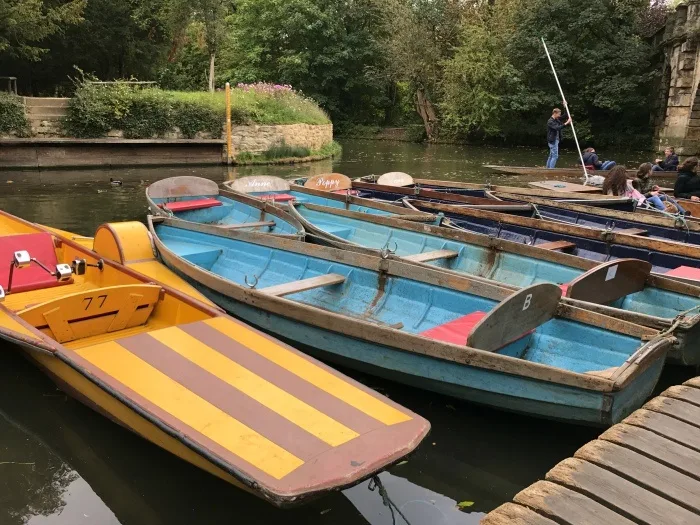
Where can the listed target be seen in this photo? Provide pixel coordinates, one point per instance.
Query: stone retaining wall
(258, 138)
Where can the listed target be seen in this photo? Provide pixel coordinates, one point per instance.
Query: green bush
(145, 113)
(12, 117)
(150, 115)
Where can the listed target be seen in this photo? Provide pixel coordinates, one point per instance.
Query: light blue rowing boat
(622, 288)
(521, 351)
(198, 200)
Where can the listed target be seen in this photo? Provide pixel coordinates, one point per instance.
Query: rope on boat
(376, 484)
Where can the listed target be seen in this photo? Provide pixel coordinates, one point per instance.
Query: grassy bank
(96, 109)
(284, 154)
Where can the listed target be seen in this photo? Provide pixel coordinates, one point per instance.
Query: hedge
(95, 109)
(12, 116)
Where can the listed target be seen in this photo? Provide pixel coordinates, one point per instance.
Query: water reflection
(62, 464)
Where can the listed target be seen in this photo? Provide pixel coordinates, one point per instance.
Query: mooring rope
(376, 484)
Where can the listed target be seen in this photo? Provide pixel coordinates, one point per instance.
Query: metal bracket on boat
(79, 266)
(536, 212)
(416, 190)
(488, 186)
(608, 231)
(386, 251)
(251, 285)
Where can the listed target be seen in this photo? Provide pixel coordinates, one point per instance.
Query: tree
(25, 24)
(210, 13)
(480, 76)
(602, 60)
(420, 35)
(328, 49)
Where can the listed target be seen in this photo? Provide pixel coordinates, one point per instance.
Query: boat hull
(566, 172)
(500, 391)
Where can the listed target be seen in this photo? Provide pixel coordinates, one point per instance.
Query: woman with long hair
(616, 183)
(651, 191)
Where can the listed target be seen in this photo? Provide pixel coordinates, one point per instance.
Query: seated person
(670, 163)
(651, 191)
(616, 183)
(688, 183)
(590, 158)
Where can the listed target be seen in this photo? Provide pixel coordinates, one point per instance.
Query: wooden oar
(566, 106)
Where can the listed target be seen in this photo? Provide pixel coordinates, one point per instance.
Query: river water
(63, 464)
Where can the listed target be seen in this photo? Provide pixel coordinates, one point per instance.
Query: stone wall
(257, 139)
(676, 113)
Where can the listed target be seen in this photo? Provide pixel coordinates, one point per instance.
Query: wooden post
(229, 145)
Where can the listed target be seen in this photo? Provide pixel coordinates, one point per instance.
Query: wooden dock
(645, 469)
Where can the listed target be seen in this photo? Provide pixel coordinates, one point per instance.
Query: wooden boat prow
(257, 184)
(395, 178)
(329, 182)
(204, 386)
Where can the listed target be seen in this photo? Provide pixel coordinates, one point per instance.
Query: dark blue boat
(595, 244)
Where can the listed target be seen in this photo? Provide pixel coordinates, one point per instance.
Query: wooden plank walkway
(644, 470)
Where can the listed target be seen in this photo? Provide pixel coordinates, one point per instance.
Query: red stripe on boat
(277, 197)
(196, 204)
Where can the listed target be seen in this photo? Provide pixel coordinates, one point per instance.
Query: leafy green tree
(479, 77)
(25, 24)
(328, 49)
(602, 60)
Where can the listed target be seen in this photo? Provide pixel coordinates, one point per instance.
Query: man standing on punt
(554, 127)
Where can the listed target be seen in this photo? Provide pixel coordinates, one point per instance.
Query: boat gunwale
(501, 245)
(639, 361)
(610, 237)
(605, 212)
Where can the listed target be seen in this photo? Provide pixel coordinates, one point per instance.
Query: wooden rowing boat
(436, 191)
(198, 200)
(567, 172)
(203, 386)
(524, 351)
(621, 288)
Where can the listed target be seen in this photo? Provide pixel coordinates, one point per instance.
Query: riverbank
(67, 153)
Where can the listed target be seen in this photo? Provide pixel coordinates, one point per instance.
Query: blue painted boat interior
(596, 250)
(508, 268)
(404, 304)
(231, 212)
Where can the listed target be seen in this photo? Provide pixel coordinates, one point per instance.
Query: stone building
(677, 110)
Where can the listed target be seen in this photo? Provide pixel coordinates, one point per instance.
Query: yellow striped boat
(204, 386)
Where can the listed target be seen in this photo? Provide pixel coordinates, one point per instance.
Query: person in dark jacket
(670, 163)
(554, 126)
(590, 158)
(688, 183)
(651, 191)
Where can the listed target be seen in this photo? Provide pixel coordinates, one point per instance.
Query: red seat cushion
(40, 247)
(564, 289)
(457, 331)
(687, 272)
(196, 204)
(277, 197)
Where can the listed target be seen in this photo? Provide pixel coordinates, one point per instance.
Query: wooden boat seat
(432, 256)
(244, 225)
(633, 231)
(40, 246)
(609, 281)
(556, 245)
(456, 331)
(304, 285)
(196, 204)
(93, 312)
(276, 197)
